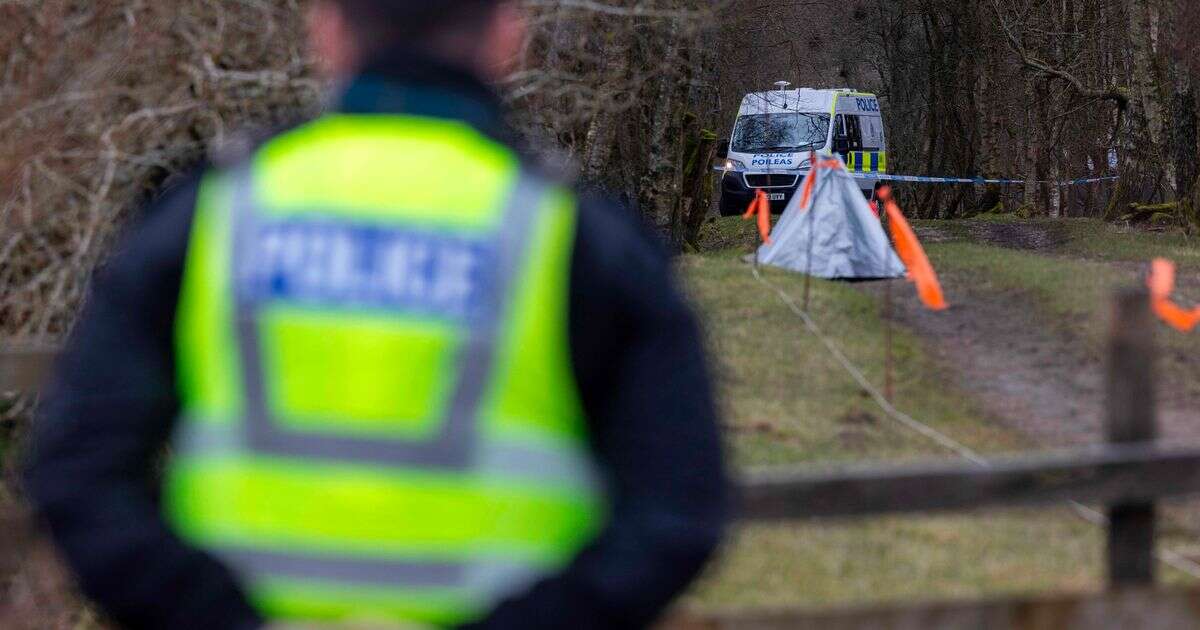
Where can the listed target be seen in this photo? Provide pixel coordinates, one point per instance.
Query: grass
(788, 404)
(786, 399)
(1094, 239)
(903, 560)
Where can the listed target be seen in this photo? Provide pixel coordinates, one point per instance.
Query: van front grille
(771, 180)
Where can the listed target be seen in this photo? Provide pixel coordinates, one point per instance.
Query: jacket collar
(404, 81)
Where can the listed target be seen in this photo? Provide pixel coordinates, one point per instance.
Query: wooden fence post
(1131, 418)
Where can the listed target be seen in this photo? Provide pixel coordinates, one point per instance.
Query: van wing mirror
(722, 149)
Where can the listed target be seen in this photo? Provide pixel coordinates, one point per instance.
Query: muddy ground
(1032, 376)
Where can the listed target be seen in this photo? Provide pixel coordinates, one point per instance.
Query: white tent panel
(837, 237)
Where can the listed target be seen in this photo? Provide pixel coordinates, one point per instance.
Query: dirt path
(1029, 376)
(1026, 377)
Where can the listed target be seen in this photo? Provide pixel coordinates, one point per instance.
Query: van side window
(851, 128)
(854, 130)
(839, 126)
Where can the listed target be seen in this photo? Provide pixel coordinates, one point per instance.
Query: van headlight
(734, 165)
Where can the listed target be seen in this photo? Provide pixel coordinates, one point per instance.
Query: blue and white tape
(919, 179)
(980, 181)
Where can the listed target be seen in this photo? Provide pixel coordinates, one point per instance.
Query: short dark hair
(384, 23)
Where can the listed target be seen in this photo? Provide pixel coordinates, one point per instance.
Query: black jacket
(637, 358)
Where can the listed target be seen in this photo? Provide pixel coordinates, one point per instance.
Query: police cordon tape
(922, 179)
(916, 179)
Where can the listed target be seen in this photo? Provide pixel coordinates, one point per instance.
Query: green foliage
(728, 235)
(1164, 219)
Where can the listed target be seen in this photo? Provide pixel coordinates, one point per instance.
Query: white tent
(834, 236)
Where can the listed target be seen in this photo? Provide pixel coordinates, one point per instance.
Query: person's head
(482, 36)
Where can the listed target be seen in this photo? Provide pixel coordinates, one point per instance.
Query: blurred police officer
(405, 377)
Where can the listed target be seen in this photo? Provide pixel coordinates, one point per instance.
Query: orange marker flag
(807, 190)
(762, 206)
(809, 180)
(764, 218)
(920, 271)
(1162, 284)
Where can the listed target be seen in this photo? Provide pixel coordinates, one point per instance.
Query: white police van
(776, 132)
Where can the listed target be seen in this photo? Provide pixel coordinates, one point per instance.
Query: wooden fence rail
(1124, 474)
(1128, 475)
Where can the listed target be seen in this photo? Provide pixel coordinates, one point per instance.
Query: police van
(776, 132)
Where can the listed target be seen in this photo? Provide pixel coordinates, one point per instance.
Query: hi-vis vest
(379, 417)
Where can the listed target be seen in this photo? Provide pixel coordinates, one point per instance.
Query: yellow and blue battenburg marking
(867, 162)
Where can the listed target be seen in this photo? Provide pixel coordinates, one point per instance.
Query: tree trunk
(1141, 142)
(1056, 190)
(1184, 141)
(1143, 26)
(602, 131)
(654, 189)
(1031, 150)
(1182, 135)
(691, 205)
(990, 127)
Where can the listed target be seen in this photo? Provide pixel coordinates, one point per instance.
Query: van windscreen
(778, 133)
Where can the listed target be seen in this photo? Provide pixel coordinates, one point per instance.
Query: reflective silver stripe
(454, 446)
(557, 465)
(257, 564)
(501, 459)
(481, 580)
(197, 437)
(497, 581)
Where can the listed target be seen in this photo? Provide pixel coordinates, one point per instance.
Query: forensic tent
(828, 230)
